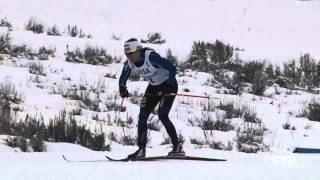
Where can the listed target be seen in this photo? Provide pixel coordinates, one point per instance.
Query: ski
(123, 160)
(156, 158)
(151, 158)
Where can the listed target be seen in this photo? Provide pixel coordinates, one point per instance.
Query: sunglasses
(129, 53)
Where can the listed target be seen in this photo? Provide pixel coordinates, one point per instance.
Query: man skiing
(162, 88)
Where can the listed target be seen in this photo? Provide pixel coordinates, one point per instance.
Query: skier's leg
(148, 103)
(142, 128)
(164, 109)
(142, 135)
(163, 113)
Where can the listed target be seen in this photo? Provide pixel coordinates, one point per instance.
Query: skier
(162, 88)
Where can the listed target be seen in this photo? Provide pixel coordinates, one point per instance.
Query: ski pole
(180, 94)
(121, 104)
(190, 95)
(119, 111)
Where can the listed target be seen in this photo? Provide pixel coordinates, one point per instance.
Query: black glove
(123, 91)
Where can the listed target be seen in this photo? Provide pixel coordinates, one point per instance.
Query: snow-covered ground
(240, 166)
(271, 29)
(277, 30)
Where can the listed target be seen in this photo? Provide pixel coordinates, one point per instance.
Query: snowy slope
(271, 29)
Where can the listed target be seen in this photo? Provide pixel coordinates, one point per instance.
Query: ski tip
(65, 158)
(108, 158)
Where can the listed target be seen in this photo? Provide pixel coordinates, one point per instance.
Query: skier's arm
(124, 74)
(159, 62)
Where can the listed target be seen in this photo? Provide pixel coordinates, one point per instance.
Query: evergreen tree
(292, 72)
(171, 57)
(277, 71)
(270, 74)
(250, 69)
(198, 58)
(259, 83)
(309, 70)
(219, 53)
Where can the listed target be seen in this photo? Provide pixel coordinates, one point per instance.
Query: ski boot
(140, 153)
(177, 150)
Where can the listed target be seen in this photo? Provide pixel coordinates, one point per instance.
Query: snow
(275, 30)
(269, 29)
(65, 148)
(261, 166)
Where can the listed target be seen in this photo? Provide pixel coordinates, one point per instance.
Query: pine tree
(171, 57)
(198, 58)
(309, 69)
(270, 73)
(277, 71)
(292, 72)
(250, 68)
(259, 83)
